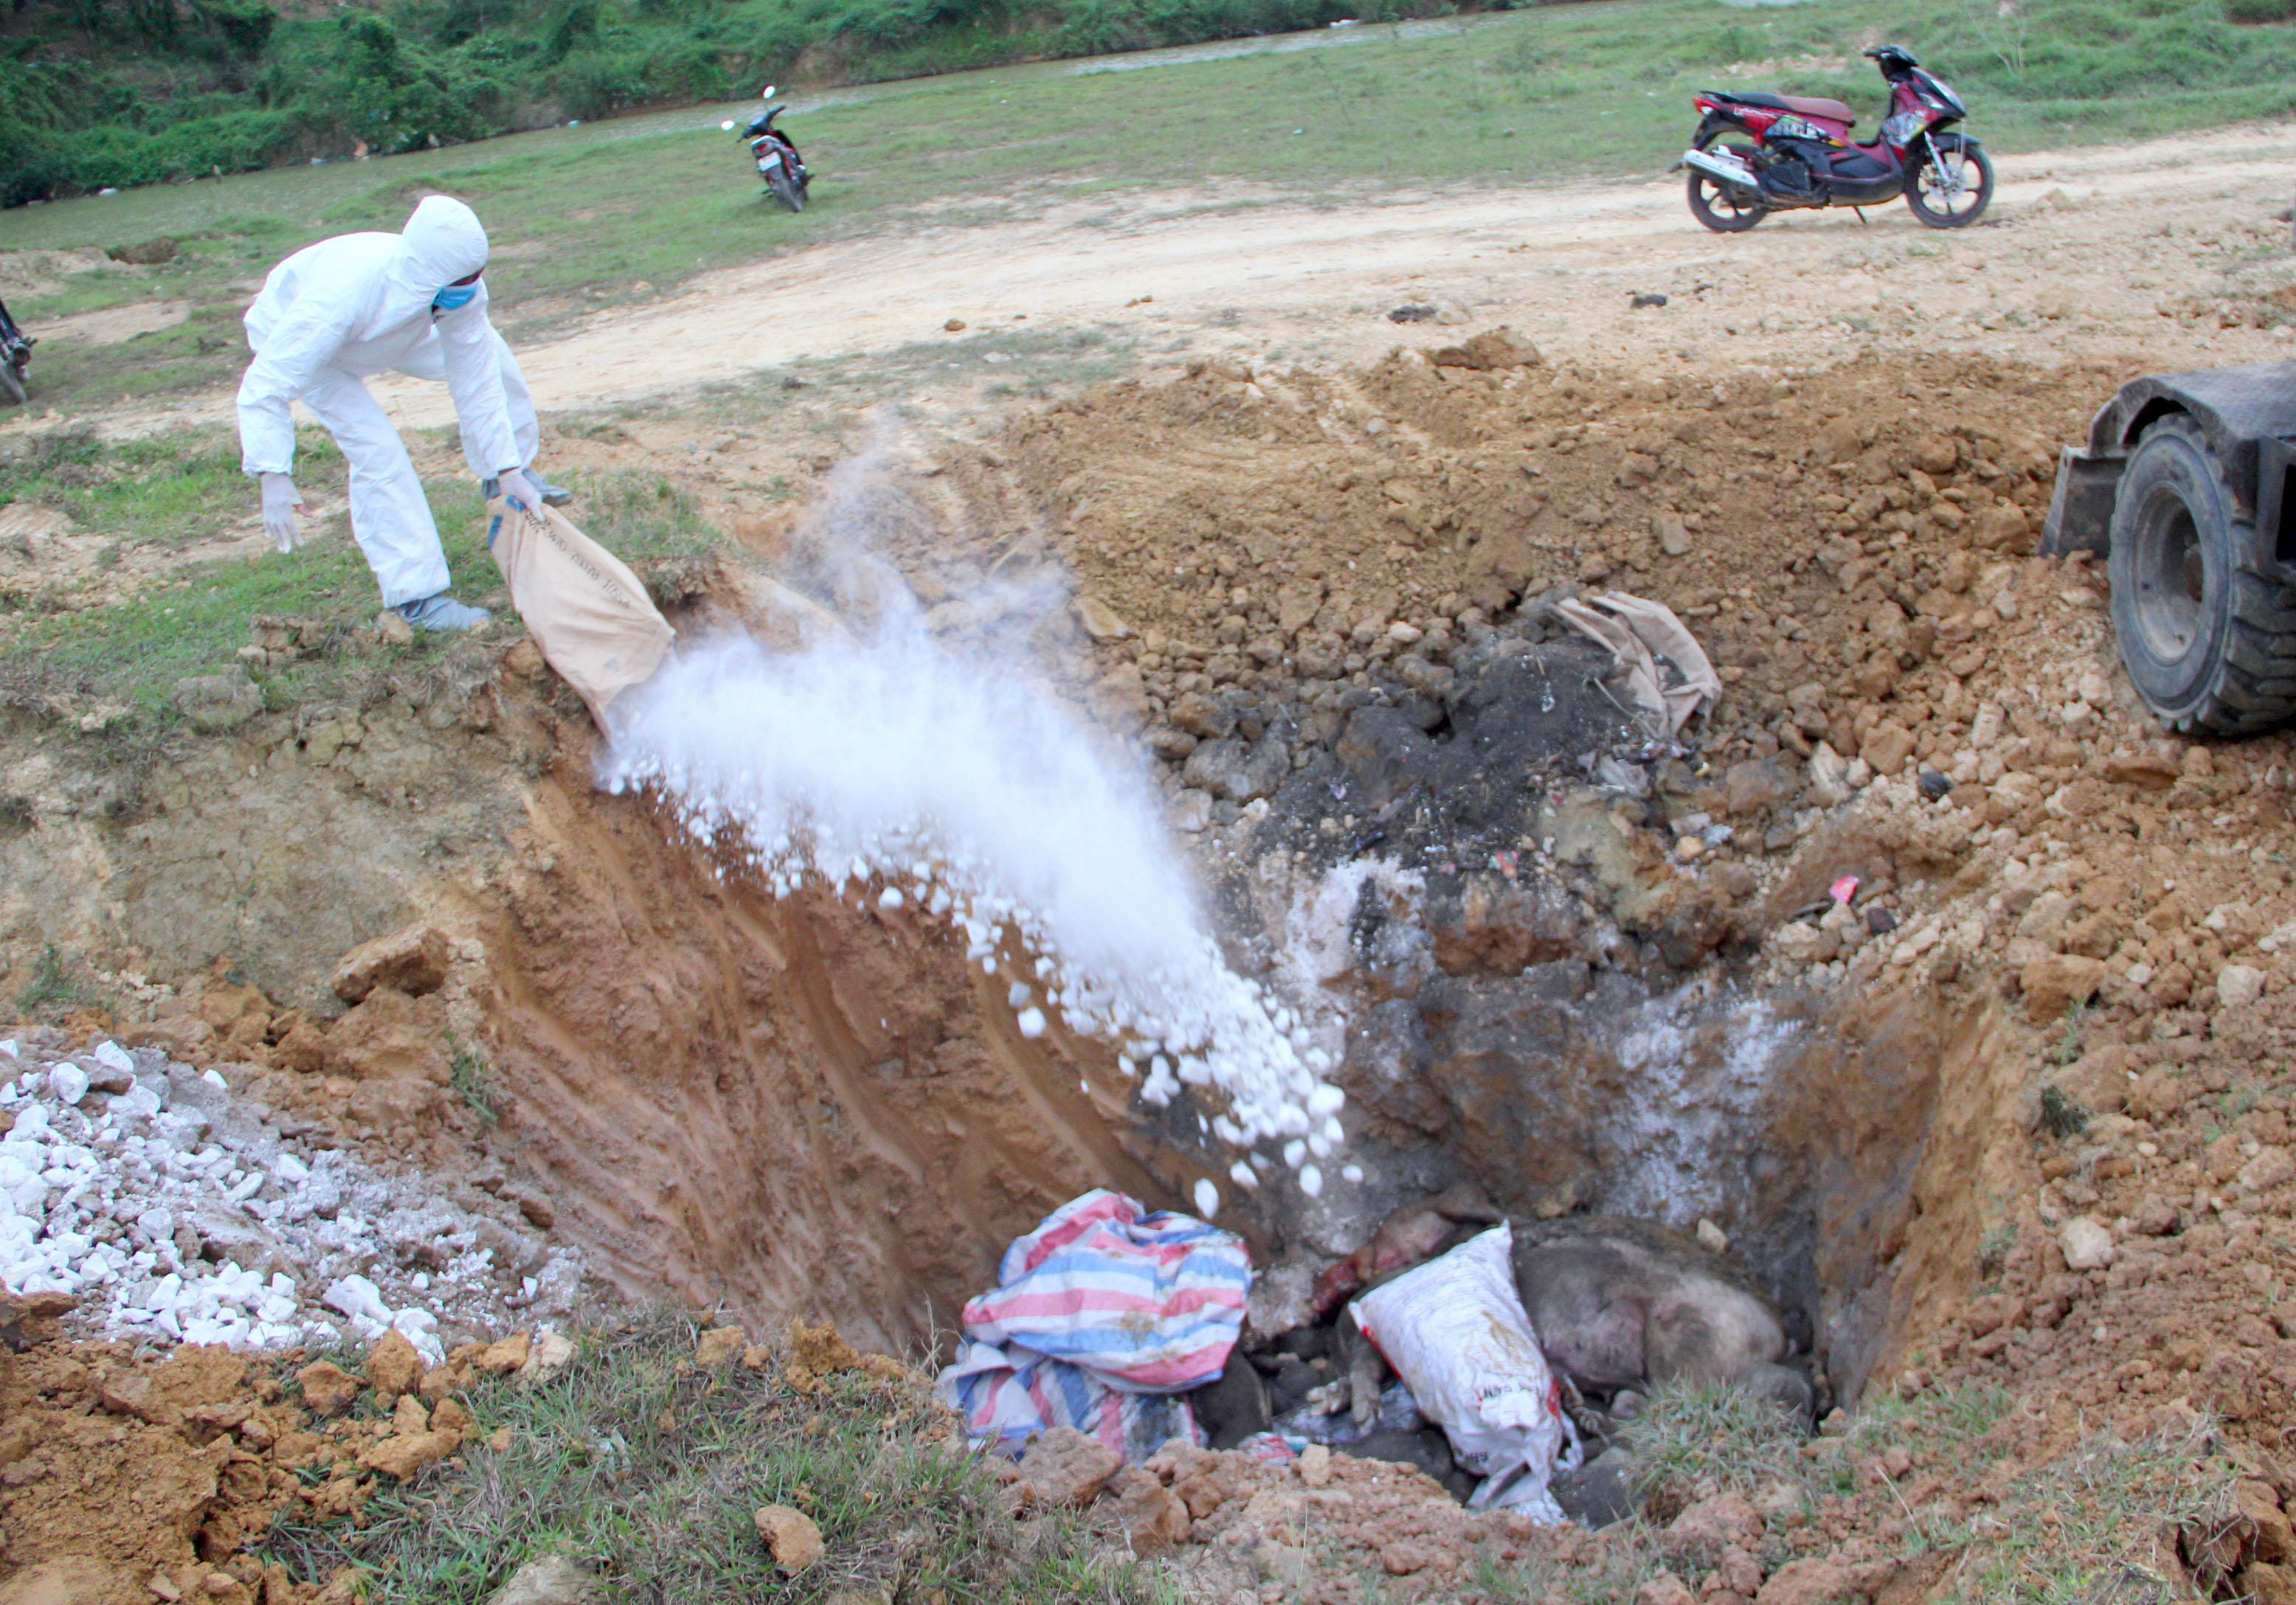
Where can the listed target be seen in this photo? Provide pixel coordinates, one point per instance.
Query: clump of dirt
(127, 1474)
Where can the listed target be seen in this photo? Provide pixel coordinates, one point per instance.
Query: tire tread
(2252, 687)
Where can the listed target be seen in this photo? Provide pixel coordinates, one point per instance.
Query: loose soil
(2031, 1128)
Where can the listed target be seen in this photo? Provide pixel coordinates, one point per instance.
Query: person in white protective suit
(413, 302)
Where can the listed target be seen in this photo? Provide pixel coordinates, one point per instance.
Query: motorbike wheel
(1720, 208)
(785, 189)
(1927, 180)
(11, 384)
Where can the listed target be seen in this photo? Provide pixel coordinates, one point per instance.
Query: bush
(242, 27)
(395, 97)
(2259, 11)
(31, 165)
(114, 155)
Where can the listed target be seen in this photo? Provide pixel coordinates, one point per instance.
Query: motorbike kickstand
(1861, 216)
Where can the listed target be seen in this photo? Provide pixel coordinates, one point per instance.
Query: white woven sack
(1455, 1330)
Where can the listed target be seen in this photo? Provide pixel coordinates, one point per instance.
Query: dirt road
(2082, 254)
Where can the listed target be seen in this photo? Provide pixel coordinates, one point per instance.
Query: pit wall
(269, 848)
(811, 1106)
(1900, 1145)
(798, 1105)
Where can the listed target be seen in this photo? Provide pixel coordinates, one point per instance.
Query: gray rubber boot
(442, 612)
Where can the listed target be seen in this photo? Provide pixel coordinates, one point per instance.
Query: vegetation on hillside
(98, 93)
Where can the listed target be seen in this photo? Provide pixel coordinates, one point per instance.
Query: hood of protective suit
(444, 240)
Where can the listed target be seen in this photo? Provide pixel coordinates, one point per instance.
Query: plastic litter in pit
(963, 792)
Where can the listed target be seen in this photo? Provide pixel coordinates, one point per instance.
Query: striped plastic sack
(1103, 1298)
(1009, 1397)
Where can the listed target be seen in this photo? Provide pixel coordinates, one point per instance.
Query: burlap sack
(587, 612)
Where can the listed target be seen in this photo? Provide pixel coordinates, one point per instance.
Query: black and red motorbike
(776, 153)
(1755, 153)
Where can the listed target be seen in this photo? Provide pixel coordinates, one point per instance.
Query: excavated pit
(1408, 798)
(805, 1103)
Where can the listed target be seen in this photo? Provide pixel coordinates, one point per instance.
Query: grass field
(171, 491)
(586, 216)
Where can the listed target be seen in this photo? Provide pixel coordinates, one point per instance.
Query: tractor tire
(2205, 630)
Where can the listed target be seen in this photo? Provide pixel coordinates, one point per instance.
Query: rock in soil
(552, 1580)
(1066, 1468)
(413, 960)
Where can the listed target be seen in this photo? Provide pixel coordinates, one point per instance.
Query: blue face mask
(454, 297)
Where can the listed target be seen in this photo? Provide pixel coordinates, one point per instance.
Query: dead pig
(1624, 1303)
(1409, 1236)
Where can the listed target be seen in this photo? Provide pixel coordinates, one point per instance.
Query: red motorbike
(776, 155)
(1755, 153)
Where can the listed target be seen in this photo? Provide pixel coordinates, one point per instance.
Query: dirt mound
(1256, 521)
(126, 1475)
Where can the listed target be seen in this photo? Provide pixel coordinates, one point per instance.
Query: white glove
(519, 490)
(280, 501)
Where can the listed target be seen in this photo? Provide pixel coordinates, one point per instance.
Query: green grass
(1712, 1437)
(175, 490)
(585, 217)
(127, 92)
(641, 515)
(473, 1082)
(1940, 1425)
(53, 991)
(172, 491)
(2078, 1529)
(2082, 1528)
(649, 1472)
(156, 490)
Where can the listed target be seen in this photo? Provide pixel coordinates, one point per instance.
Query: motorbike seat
(1804, 105)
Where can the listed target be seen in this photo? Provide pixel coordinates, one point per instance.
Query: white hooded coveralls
(360, 304)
